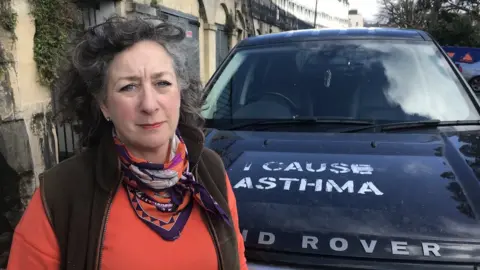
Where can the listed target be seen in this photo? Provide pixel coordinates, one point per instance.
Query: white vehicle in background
(471, 72)
(467, 61)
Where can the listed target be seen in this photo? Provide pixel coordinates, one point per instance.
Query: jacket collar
(107, 165)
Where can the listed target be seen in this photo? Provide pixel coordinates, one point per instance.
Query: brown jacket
(86, 183)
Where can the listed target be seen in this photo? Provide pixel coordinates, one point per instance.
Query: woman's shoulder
(66, 182)
(212, 171)
(69, 177)
(212, 158)
(70, 167)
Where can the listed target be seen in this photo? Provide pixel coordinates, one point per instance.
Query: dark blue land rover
(349, 149)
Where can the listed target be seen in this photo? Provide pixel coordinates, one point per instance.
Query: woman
(145, 193)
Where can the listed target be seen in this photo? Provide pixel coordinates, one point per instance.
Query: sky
(368, 8)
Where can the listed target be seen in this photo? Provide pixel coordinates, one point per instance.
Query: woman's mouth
(151, 126)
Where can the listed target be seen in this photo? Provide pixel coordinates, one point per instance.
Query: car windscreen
(379, 80)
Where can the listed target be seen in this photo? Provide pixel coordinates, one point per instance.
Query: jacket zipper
(213, 232)
(215, 239)
(104, 224)
(44, 200)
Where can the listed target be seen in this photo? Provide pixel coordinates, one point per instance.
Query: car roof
(336, 33)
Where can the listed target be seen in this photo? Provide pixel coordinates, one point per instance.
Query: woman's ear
(103, 107)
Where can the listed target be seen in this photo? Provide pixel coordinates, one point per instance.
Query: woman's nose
(148, 100)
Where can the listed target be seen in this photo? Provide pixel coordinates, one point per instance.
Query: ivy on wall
(8, 17)
(230, 25)
(8, 21)
(55, 23)
(5, 63)
(154, 4)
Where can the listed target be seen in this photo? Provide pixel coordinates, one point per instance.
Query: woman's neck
(158, 156)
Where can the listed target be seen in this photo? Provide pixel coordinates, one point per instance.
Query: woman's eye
(163, 83)
(128, 87)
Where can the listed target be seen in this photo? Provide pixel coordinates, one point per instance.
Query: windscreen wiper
(262, 124)
(414, 125)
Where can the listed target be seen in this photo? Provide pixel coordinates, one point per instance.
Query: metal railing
(66, 137)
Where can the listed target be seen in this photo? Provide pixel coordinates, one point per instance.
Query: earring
(108, 119)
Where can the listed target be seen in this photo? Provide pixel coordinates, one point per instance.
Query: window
(360, 79)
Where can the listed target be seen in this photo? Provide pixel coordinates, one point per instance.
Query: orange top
(128, 242)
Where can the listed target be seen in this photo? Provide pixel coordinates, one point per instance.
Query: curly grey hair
(82, 79)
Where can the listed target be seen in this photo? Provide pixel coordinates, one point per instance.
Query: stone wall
(27, 135)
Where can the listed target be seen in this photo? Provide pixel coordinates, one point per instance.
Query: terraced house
(33, 33)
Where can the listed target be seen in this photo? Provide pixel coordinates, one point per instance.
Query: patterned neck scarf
(161, 194)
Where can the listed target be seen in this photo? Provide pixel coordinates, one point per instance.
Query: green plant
(5, 63)
(8, 17)
(154, 3)
(55, 22)
(230, 23)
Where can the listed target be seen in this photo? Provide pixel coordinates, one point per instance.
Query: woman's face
(143, 98)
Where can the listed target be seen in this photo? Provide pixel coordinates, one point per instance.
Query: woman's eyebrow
(137, 78)
(161, 74)
(128, 77)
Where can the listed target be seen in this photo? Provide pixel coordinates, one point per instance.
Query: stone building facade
(30, 142)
